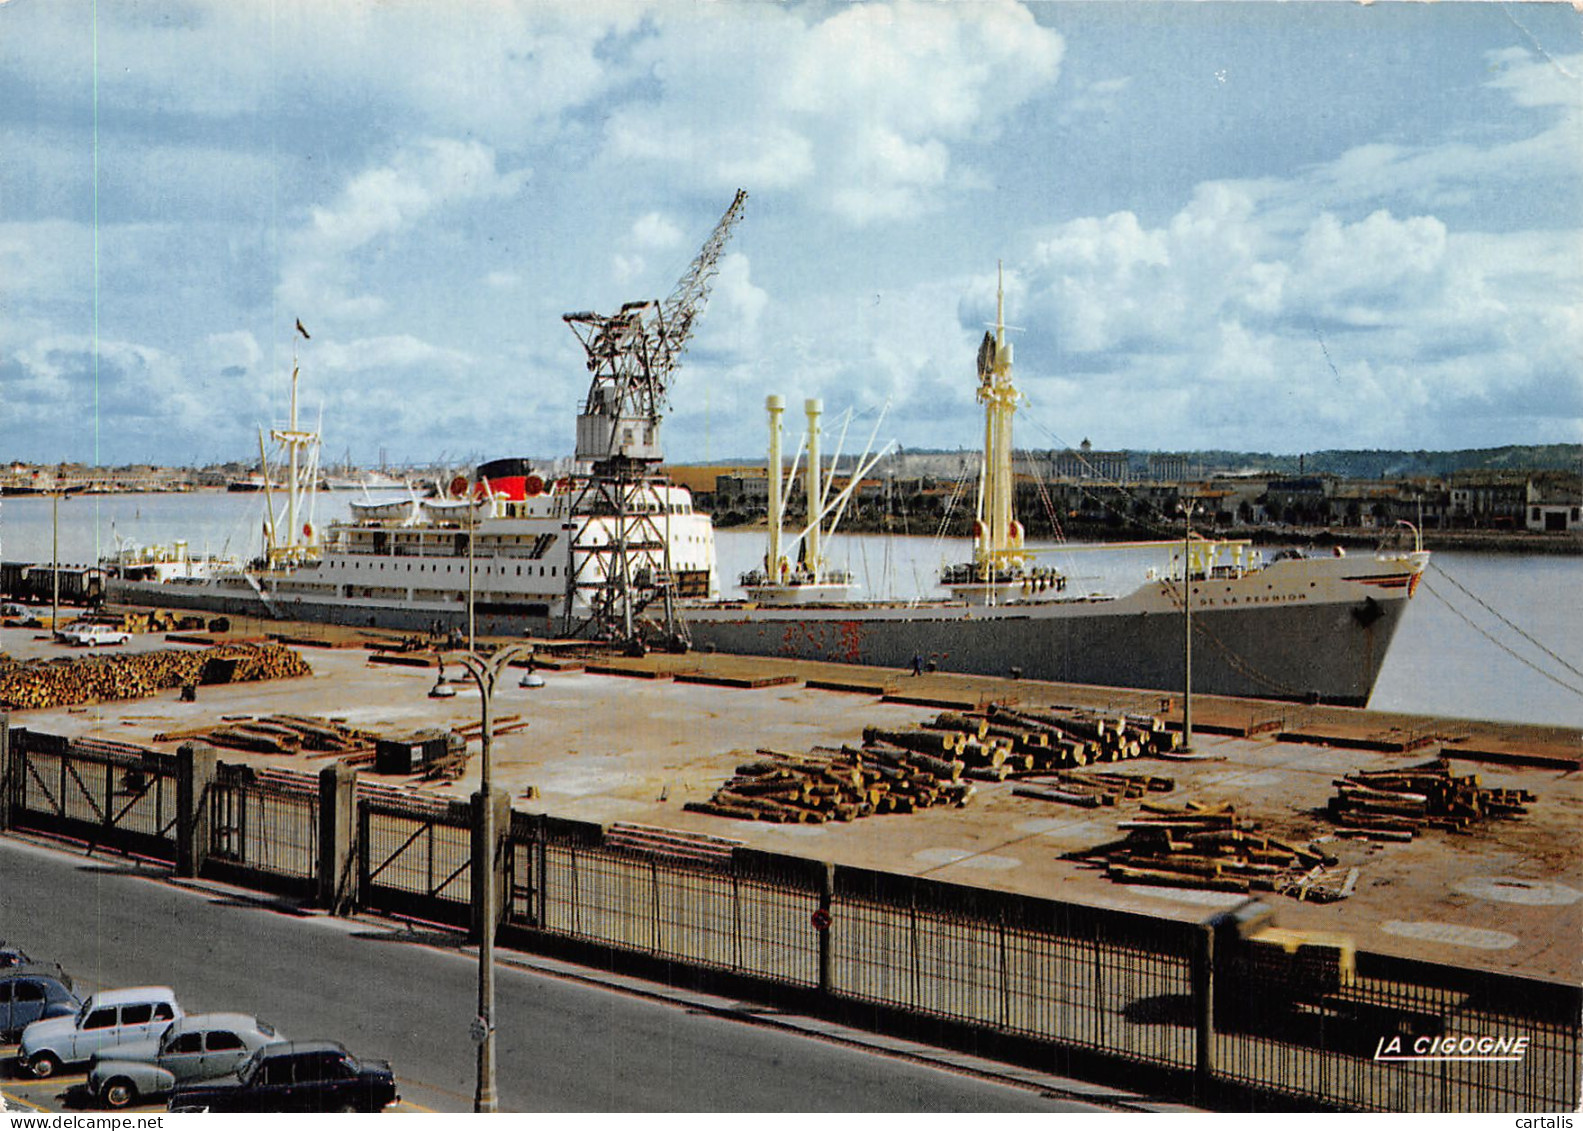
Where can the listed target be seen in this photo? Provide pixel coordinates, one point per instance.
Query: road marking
(27, 1103)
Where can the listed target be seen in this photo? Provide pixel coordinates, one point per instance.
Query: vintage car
(33, 992)
(92, 635)
(294, 1076)
(198, 1046)
(113, 1017)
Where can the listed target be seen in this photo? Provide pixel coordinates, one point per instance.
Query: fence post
(10, 767)
(337, 838)
(363, 847)
(1203, 979)
(826, 898)
(197, 766)
(501, 802)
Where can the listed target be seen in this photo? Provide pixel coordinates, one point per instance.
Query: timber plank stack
(68, 682)
(1195, 846)
(1004, 742)
(882, 776)
(1393, 805)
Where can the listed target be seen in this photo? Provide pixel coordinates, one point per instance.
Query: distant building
(1088, 463)
(1554, 508)
(1167, 468)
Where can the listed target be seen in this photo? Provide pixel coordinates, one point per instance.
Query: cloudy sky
(1265, 226)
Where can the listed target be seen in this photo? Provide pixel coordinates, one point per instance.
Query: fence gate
(416, 859)
(110, 794)
(264, 826)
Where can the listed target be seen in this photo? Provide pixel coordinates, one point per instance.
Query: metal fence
(1083, 977)
(107, 794)
(267, 826)
(415, 859)
(1403, 1035)
(1131, 989)
(748, 913)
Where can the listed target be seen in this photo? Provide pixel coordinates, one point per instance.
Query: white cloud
(656, 232)
(378, 205)
(865, 109)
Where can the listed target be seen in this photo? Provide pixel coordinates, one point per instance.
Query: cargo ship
(1311, 628)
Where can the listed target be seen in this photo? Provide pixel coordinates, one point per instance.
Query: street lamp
(486, 671)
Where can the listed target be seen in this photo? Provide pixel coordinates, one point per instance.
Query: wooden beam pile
(281, 734)
(1091, 790)
(1004, 742)
(1393, 805)
(883, 776)
(89, 679)
(1200, 847)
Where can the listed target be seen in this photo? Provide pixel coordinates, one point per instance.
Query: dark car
(12, 956)
(294, 1076)
(30, 993)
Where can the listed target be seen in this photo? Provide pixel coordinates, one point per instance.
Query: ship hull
(1323, 653)
(1312, 630)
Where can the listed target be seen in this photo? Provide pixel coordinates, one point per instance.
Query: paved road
(564, 1045)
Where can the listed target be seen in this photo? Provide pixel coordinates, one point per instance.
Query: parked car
(113, 1017)
(33, 992)
(294, 1076)
(92, 635)
(199, 1046)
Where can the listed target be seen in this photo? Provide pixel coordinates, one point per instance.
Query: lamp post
(54, 559)
(1187, 629)
(485, 671)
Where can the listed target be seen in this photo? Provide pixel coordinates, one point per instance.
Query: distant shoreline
(1470, 541)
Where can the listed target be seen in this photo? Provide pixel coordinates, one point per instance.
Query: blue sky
(1264, 226)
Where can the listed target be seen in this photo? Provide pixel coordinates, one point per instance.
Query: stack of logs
(65, 683)
(1393, 805)
(281, 734)
(1004, 742)
(893, 772)
(1200, 847)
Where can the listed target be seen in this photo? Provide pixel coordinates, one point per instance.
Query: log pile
(1004, 742)
(1196, 846)
(1393, 805)
(882, 776)
(68, 682)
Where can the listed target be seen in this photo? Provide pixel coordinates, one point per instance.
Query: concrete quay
(612, 739)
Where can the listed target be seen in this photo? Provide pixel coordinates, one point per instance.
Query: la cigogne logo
(1452, 1047)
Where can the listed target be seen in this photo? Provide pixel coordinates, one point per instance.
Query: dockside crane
(620, 553)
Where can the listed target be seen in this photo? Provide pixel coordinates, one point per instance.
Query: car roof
(36, 970)
(285, 1048)
(133, 994)
(212, 1021)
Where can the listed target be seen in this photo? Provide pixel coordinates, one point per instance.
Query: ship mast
(997, 535)
(301, 541)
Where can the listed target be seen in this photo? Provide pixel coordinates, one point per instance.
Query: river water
(1488, 636)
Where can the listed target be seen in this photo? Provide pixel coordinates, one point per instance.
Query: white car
(113, 1017)
(93, 635)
